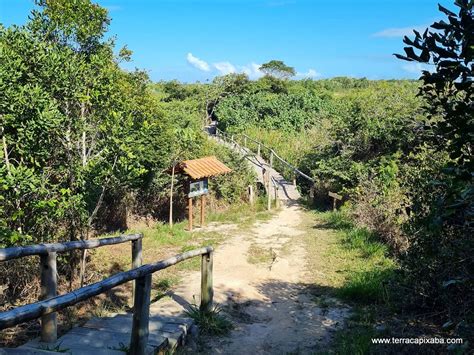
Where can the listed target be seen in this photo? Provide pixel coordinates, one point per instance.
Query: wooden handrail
(292, 167)
(272, 154)
(49, 279)
(43, 249)
(142, 274)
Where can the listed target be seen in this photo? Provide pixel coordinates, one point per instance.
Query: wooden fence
(50, 302)
(243, 141)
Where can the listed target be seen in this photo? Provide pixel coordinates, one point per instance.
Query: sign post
(198, 172)
(197, 188)
(190, 211)
(203, 206)
(335, 197)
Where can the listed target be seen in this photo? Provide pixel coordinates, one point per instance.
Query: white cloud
(417, 68)
(225, 68)
(252, 70)
(198, 63)
(310, 74)
(399, 31)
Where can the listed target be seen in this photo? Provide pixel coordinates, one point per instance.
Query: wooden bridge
(268, 172)
(142, 332)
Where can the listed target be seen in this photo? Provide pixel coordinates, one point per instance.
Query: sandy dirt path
(270, 303)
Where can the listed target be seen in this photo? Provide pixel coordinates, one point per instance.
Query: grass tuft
(367, 286)
(259, 255)
(210, 322)
(337, 220)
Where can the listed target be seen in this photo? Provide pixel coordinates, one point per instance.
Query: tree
(74, 127)
(221, 87)
(449, 89)
(277, 69)
(442, 244)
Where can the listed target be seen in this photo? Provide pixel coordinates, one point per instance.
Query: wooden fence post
(277, 200)
(137, 259)
(190, 213)
(271, 158)
(141, 316)
(207, 291)
(312, 191)
(294, 180)
(258, 149)
(251, 195)
(264, 177)
(203, 212)
(49, 283)
(335, 197)
(245, 141)
(269, 193)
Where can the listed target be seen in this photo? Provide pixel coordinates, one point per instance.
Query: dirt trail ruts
(272, 304)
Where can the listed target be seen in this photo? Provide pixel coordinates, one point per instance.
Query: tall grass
(370, 268)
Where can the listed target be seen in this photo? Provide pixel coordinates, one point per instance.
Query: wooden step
(111, 335)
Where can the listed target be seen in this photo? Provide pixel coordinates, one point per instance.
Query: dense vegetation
(399, 151)
(84, 142)
(82, 139)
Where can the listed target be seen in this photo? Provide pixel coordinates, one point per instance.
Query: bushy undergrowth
(399, 151)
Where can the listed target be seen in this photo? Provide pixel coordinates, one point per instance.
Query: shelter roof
(203, 167)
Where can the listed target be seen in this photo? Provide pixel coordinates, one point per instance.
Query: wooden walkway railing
(50, 303)
(272, 155)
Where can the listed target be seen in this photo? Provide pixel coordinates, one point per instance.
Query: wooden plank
(35, 310)
(49, 284)
(207, 292)
(335, 195)
(43, 249)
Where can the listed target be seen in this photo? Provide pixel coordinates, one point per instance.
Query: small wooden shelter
(199, 171)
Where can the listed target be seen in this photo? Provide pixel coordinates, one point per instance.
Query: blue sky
(192, 40)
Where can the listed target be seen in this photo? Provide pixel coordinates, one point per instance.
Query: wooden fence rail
(260, 145)
(142, 275)
(49, 281)
(272, 156)
(43, 249)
